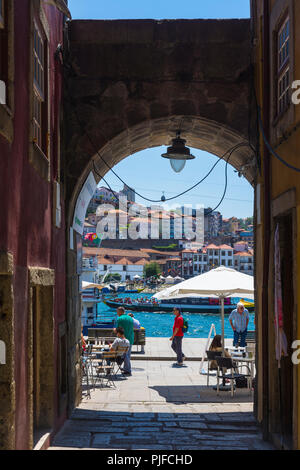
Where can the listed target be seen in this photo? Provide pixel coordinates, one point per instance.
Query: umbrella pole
(222, 319)
(223, 387)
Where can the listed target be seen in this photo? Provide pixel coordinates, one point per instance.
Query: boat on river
(187, 304)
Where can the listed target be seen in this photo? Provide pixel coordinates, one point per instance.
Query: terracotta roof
(212, 247)
(142, 262)
(102, 260)
(90, 251)
(166, 253)
(173, 259)
(226, 247)
(123, 261)
(243, 253)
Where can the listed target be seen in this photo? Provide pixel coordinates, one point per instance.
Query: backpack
(185, 325)
(241, 382)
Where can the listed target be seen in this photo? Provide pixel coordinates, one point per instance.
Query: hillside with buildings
(227, 242)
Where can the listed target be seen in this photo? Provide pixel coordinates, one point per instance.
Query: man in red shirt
(177, 336)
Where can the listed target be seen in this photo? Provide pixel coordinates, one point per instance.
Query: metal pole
(222, 317)
(223, 387)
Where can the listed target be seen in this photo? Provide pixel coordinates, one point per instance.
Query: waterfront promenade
(161, 407)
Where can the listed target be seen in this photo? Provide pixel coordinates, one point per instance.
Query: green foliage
(171, 247)
(152, 269)
(244, 223)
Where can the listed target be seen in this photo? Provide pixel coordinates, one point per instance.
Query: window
(223, 253)
(3, 50)
(283, 68)
(38, 89)
(2, 14)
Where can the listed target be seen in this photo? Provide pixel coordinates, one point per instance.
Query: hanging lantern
(178, 153)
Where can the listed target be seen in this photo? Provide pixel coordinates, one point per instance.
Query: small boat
(122, 289)
(90, 317)
(133, 291)
(186, 304)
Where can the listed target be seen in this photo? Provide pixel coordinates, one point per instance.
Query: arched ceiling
(131, 85)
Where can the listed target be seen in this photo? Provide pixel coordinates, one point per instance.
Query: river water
(161, 324)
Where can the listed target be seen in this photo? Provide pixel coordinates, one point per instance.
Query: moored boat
(191, 304)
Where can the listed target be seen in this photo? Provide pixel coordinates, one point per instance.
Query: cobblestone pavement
(161, 407)
(160, 431)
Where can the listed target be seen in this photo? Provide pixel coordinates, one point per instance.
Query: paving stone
(192, 425)
(144, 429)
(73, 441)
(230, 428)
(191, 447)
(152, 447)
(100, 439)
(111, 420)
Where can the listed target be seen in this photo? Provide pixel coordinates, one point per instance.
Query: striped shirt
(239, 320)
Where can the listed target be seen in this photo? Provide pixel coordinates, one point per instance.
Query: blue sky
(158, 9)
(146, 171)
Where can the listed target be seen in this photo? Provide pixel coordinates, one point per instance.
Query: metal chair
(87, 368)
(211, 356)
(228, 363)
(105, 368)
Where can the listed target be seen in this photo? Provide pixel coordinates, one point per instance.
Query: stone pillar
(73, 328)
(7, 375)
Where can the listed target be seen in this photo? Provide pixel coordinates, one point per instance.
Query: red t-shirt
(178, 323)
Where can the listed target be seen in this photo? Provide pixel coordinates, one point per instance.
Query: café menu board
(83, 201)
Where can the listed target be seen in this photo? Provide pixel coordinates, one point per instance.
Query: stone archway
(130, 85)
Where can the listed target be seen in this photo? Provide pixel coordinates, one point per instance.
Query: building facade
(276, 57)
(32, 235)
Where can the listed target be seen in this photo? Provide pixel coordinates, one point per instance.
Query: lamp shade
(177, 165)
(178, 153)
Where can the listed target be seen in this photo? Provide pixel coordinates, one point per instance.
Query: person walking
(177, 336)
(126, 322)
(239, 319)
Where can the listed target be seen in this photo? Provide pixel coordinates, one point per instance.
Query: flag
(281, 341)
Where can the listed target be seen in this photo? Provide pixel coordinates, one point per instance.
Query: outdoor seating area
(237, 368)
(96, 335)
(101, 369)
(101, 366)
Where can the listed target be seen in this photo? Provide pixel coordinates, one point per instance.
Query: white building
(244, 262)
(195, 262)
(126, 268)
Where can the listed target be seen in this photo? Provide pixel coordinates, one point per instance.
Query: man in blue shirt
(239, 319)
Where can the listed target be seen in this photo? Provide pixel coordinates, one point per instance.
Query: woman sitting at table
(216, 345)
